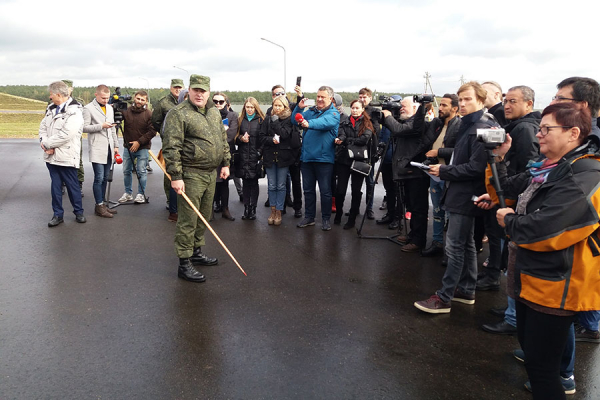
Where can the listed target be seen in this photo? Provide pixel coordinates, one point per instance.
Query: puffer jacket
(194, 139)
(251, 152)
(62, 132)
(558, 239)
(284, 153)
(348, 134)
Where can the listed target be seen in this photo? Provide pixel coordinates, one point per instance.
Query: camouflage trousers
(189, 233)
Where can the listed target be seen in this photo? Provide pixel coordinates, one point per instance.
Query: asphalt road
(96, 311)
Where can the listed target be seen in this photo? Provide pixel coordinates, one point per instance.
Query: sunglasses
(279, 94)
(219, 102)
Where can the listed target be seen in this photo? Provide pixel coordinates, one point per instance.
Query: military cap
(177, 83)
(200, 82)
(68, 83)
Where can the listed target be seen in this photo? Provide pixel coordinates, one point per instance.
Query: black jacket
(248, 153)
(465, 177)
(286, 152)
(498, 112)
(431, 131)
(525, 145)
(407, 142)
(348, 134)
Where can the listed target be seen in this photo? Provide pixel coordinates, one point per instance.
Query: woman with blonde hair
(249, 154)
(280, 140)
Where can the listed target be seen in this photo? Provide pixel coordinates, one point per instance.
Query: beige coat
(62, 133)
(99, 139)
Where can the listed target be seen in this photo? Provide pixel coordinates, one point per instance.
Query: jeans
(313, 172)
(589, 320)
(172, 201)
(101, 172)
(461, 270)
(277, 178)
(510, 315)
(142, 161)
(68, 175)
(436, 190)
(543, 338)
(370, 183)
(495, 234)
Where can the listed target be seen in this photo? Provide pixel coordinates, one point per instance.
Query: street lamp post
(186, 71)
(148, 84)
(284, 60)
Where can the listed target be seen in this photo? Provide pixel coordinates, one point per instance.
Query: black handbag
(358, 152)
(361, 167)
(260, 169)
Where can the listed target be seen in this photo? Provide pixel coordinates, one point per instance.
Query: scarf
(353, 120)
(540, 170)
(250, 117)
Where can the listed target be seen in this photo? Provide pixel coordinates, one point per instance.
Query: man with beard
(138, 132)
(415, 181)
(440, 138)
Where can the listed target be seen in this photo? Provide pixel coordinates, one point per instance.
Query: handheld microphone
(299, 118)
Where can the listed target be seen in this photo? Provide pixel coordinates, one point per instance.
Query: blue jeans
(461, 271)
(142, 161)
(313, 172)
(277, 178)
(436, 190)
(589, 320)
(101, 172)
(68, 175)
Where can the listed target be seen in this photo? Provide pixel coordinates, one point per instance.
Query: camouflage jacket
(193, 140)
(159, 112)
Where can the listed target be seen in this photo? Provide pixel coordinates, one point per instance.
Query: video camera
(491, 138)
(119, 103)
(423, 98)
(388, 103)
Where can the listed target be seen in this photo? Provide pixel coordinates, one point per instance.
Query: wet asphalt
(96, 311)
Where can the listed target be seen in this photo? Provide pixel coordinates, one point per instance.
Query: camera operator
(138, 132)
(464, 178)
(415, 181)
(439, 138)
(366, 96)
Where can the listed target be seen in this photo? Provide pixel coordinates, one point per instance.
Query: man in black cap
(195, 144)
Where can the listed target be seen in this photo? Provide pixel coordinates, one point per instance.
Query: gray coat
(99, 139)
(62, 132)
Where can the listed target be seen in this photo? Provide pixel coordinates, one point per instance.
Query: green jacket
(194, 141)
(159, 112)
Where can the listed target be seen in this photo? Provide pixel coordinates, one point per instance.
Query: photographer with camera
(464, 178)
(138, 132)
(439, 138)
(415, 181)
(99, 124)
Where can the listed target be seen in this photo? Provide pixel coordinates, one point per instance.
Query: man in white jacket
(99, 124)
(60, 138)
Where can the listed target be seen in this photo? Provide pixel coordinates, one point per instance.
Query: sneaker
(326, 225)
(519, 355)
(567, 383)
(584, 335)
(139, 198)
(462, 297)
(306, 222)
(125, 198)
(433, 305)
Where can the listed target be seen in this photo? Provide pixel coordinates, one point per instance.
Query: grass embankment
(15, 123)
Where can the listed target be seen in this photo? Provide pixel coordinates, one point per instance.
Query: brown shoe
(271, 219)
(172, 217)
(277, 220)
(102, 211)
(410, 248)
(110, 210)
(226, 214)
(403, 239)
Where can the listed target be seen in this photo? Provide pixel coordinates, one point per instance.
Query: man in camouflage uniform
(159, 112)
(195, 144)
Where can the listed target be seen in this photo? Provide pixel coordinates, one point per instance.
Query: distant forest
(87, 94)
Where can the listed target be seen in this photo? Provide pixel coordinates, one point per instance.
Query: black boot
(188, 272)
(252, 213)
(351, 220)
(199, 258)
(338, 216)
(246, 212)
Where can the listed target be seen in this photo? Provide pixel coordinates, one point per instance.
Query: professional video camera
(423, 98)
(119, 103)
(389, 103)
(491, 138)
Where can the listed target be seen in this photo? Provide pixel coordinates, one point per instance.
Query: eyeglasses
(278, 94)
(560, 98)
(545, 129)
(511, 101)
(219, 101)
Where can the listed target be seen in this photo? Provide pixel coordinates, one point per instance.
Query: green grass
(20, 125)
(10, 102)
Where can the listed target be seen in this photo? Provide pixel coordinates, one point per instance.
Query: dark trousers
(344, 173)
(222, 193)
(250, 192)
(543, 338)
(296, 186)
(417, 201)
(393, 199)
(68, 175)
(495, 234)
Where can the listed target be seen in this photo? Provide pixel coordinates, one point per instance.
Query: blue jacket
(318, 139)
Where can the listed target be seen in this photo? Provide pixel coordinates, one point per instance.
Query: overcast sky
(383, 44)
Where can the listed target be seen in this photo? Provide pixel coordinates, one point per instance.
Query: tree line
(236, 97)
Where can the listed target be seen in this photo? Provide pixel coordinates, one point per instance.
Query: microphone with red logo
(299, 119)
